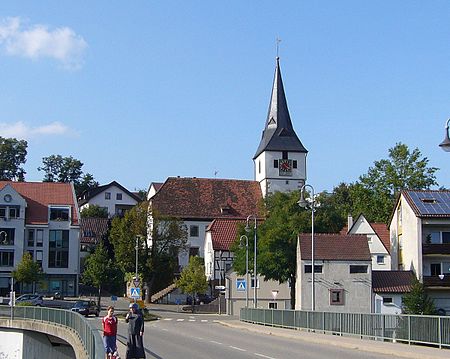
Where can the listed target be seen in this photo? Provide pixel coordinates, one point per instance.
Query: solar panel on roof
(431, 203)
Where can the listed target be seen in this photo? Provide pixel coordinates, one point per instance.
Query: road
(187, 336)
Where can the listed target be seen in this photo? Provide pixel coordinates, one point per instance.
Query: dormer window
(59, 214)
(429, 200)
(225, 209)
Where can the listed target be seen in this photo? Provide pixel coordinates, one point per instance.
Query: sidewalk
(395, 349)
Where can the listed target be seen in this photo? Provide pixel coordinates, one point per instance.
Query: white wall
(197, 242)
(389, 308)
(99, 200)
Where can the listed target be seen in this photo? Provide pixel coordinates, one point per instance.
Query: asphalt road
(179, 335)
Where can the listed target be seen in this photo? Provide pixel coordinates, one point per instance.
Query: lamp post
(246, 267)
(255, 273)
(11, 295)
(311, 204)
(445, 145)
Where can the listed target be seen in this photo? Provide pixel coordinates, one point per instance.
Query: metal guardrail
(411, 329)
(88, 334)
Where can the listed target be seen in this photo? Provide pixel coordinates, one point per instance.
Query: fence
(411, 329)
(89, 336)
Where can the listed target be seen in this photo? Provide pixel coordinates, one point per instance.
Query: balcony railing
(432, 248)
(435, 281)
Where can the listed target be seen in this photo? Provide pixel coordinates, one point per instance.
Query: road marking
(192, 320)
(213, 341)
(240, 349)
(191, 317)
(180, 320)
(204, 320)
(168, 319)
(165, 330)
(263, 356)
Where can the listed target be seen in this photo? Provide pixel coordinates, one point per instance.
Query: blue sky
(143, 90)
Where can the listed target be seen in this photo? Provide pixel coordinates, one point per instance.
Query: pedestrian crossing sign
(241, 285)
(136, 293)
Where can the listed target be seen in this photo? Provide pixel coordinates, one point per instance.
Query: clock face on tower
(285, 167)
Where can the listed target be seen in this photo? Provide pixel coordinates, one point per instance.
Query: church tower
(280, 160)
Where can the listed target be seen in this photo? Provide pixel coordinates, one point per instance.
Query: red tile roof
(223, 233)
(392, 281)
(335, 247)
(92, 230)
(382, 232)
(205, 198)
(39, 195)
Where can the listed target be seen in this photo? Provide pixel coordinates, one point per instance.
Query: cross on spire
(278, 40)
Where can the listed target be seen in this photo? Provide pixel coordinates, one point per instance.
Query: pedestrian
(109, 323)
(135, 345)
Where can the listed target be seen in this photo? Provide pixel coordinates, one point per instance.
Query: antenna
(278, 40)
(215, 173)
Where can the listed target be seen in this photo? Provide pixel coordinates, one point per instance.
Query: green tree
(67, 169)
(99, 269)
(94, 211)
(13, 154)
(417, 300)
(193, 280)
(28, 271)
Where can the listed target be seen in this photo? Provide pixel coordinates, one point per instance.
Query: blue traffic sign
(241, 285)
(136, 293)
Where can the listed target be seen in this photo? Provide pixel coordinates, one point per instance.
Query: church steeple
(280, 160)
(279, 134)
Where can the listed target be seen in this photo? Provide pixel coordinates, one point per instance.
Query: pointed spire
(279, 134)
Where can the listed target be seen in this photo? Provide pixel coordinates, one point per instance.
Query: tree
(67, 169)
(28, 271)
(157, 259)
(383, 182)
(13, 154)
(99, 269)
(94, 211)
(417, 301)
(193, 280)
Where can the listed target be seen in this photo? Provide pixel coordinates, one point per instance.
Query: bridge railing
(411, 329)
(88, 334)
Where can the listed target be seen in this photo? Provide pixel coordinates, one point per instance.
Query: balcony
(435, 281)
(443, 248)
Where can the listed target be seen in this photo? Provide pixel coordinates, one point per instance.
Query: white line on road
(204, 320)
(240, 349)
(180, 320)
(192, 320)
(168, 319)
(213, 341)
(263, 356)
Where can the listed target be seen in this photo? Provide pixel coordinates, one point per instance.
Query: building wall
(357, 287)
(195, 242)
(269, 177)
(395, 307)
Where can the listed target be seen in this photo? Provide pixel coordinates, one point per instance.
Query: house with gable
(198, 201)
(420, 240)
(342, 273)
(378, 240)
(92, 232)
(41, 218)
(388, 288)
(112, 196)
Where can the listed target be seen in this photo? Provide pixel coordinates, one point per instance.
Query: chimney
(349, 222)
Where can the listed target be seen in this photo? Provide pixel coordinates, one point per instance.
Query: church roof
(278, 133)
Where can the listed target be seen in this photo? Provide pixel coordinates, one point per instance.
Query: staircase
(157, 296)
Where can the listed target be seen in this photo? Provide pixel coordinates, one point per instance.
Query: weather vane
(278, 45)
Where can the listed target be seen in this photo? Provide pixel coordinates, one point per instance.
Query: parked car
(30, 299)
(200, 299)
(86, 308)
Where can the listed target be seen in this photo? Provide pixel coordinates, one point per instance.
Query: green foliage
(193, 280)
(13, 154)
(27, 271)
(417, 301)
(94, 211)
(67, 169)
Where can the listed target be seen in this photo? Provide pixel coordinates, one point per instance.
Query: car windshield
(81, 304)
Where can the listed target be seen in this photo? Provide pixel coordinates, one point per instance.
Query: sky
(143, 90)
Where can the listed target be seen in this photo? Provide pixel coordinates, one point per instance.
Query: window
(275, 163)
(358, 269)
(435, 238)
(2, 212)
(273, 305)
(31, 254)
(317, 268)
(58, 252)
(294, 164)
(252, 283)
(193, 251)
(445, 237)
(107, 195)
(193, 231)
(119, 196)
(387, 300)
(380, 259)
(336, 297)
(435, 269)
(59, 214)
(7, 236)
(14, 212)
(30, 242)
(284, 155)
(259, 166)
(39, 237)
(6, 259)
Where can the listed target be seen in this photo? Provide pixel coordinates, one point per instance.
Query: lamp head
(302, 202)
(441, 276)
(445, 145)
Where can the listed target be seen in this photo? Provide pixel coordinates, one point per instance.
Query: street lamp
(246, 266)
(5, 234)
(445, 145)
(255, 273)
(310, 204)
